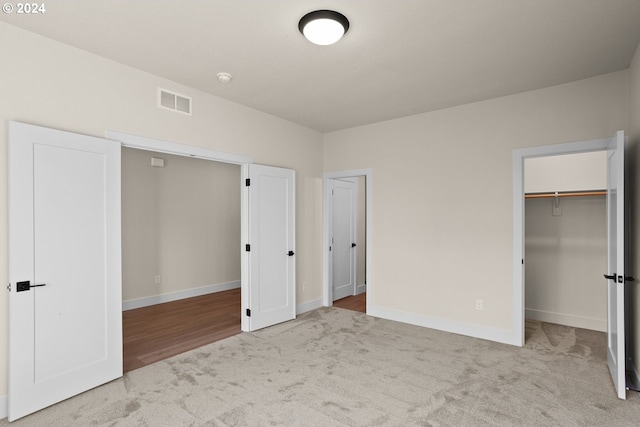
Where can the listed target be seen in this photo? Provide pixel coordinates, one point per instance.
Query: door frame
(519, 156)
(178, 149)
(354, 231)
(327, 291)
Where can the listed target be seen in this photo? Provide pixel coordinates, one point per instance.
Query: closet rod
(565, 194)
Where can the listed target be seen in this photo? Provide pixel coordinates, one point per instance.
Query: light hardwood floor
(157, 332)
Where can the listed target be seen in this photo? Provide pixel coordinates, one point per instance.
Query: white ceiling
(400, 57)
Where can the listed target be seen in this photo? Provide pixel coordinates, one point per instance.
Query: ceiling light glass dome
(323, 27)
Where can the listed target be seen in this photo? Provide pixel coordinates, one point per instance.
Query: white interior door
(343, 237)
(271, 246)
(615, 263)
(65, 303)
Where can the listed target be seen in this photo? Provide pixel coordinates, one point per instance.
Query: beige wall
(442, 193)
(180, 222)
(633, 267)
(571, 172)
(46, 83)
(566, 256)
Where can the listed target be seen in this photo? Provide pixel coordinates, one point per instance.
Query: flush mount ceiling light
(323, 27)
(224, 78)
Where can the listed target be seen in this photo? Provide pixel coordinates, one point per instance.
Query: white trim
(178, 295)
(468, 329)
(567, 319)
(519, 155)
(244, 255)
(308, 306)
(327, 299)
(361, 289)
(160, 146)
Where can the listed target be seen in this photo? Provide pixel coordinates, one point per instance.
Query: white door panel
(61, 177)
(271, 237)
(64, 221)
(343, 235)
(616, 264)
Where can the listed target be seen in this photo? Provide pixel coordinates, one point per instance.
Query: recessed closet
(566, 240)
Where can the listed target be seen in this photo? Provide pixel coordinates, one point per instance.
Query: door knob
(610, 276)
(291, 253)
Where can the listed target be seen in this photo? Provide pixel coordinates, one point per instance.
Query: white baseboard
(468, 329)
(4, 410)
(178, 295)
(308, 306)
(360, 289)
(567, 319)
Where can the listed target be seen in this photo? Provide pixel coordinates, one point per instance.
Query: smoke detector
(224, 77)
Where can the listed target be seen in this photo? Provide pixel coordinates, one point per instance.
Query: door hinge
(247, 182)
(248, 312)
(247, 248)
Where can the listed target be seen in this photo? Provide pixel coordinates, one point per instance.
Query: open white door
(271, 246)
(65, 302)
(342, 237)
(615, 263)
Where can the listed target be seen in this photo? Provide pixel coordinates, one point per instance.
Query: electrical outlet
(479, 304)
(157, 280)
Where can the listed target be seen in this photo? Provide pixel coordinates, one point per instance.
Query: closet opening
(613, 278)
(565, 241)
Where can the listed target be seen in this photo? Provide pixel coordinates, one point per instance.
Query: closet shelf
(565, 194)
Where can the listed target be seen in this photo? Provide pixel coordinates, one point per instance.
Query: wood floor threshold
(154, 333)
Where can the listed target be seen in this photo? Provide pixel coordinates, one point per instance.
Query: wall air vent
(174, 101)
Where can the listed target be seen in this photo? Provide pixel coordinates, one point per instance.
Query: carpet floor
(335, 367)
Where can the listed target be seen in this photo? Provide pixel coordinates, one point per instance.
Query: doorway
(260, 214)
(566, 239)
(267, 203)
(615, 273)
(358, 237)
(181, 254)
